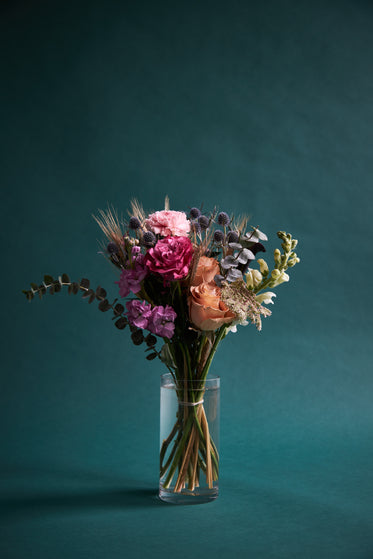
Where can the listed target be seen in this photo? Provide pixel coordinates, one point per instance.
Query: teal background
(257, 107)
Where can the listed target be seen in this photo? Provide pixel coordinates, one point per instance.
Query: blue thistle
(233, 237)
(112, 248)
(195, 213)
(149, 239)
(223, 219)
(134, 223)
(204, 222)
(218, 236)
(196, 227)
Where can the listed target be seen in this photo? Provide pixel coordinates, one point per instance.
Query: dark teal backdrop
(258, 107)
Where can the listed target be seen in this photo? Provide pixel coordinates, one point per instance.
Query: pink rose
(171, 257)
(168, 222)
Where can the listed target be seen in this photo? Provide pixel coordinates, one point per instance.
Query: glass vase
(189, 440)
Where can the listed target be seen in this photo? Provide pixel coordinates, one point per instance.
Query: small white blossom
(265, 297)
(253, 278)
(233, 327)
(263, 266)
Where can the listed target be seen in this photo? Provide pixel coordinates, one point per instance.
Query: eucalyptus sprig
(52, 286)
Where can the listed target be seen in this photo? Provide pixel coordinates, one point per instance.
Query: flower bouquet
(188, 281)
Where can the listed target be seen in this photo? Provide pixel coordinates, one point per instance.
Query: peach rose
(206, 310)
(206, 270)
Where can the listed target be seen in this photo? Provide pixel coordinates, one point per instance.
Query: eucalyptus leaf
(228, 262)
(57, 286)
(92, 298)
(75, 288)
(29, 294)
(48, 279)
(118, 309)
(121, 323)
(100, 292)
(87, 294)
(104, 305)
(234, 274)
(245, 255)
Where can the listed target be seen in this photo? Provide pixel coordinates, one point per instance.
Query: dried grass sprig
(111, 225)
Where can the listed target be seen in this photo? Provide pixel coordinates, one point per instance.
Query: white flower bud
(293, 261)
(253, 278)
(263, 266)
(277, 256)
(284, 277)
(275, 274)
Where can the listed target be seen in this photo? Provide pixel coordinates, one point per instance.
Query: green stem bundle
(193, 450)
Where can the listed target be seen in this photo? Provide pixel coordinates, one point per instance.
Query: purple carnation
(138, 313)
(161, 321)
(131, 278)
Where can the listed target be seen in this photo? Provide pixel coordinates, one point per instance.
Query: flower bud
(284, 277)
(275, 274)
(281, 235)
(293, 261)
(277, 256)
(280, 277)
(263, 266)
(253, 278)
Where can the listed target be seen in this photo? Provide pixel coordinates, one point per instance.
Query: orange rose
(207, 269)
(206, 310)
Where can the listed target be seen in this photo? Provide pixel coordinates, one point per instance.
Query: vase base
(185, 497)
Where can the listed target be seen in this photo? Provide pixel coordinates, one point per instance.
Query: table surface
(310, 499)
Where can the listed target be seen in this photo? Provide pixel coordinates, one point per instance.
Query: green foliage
(52, 286)
(121, 323)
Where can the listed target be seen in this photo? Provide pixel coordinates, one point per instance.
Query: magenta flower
(161, 321)
(139, 313)
(171, 257)
(131, 278)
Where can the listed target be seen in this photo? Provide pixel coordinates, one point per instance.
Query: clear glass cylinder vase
(189, 440)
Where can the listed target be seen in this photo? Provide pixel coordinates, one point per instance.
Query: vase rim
(212, 381)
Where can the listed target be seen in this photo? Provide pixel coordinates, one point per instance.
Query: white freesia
(265, 298)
